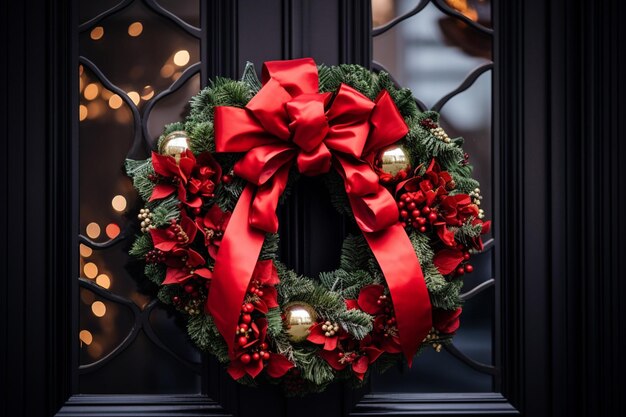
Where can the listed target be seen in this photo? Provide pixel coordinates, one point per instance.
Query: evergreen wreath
(293, 330)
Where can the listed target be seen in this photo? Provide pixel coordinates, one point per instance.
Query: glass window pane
(129, 344)
(446, 63)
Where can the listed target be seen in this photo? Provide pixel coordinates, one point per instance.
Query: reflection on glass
(188, 10)
(103, 326)
(173, 107)
(431, 53)
(142, 53)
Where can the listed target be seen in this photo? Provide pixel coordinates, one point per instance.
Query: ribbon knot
(289, 121)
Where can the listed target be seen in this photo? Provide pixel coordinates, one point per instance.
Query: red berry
(404, 214)
(404, 196)
(176, 299)
(411, 206)
(432, 216)
(415, 214)
(407, 200)
(242, 341)
(245, 358)
(266, 356)
(263, 346)
(249, 307)
(426, 210)
(423, 229)
(466, 256)
(196, 210)
(401, 204)
(415, 225)
(246, 318)
(340, 354)
(243, 326)
(460, 270)
(469, 268)
(256, 356)
(421, 221)
(227, 179)
(260, 293)
(253, 289)
(189, 288)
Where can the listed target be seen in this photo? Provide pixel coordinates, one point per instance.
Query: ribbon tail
(234, 265)
(397, 259)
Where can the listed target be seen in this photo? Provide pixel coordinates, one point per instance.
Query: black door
(84, 336)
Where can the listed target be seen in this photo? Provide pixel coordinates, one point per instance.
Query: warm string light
(97, 33)
(135, 29)
(98, 308)
(90, 270)
(93, 230)
(85, 337)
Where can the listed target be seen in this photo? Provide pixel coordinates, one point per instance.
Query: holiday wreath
(209, 226)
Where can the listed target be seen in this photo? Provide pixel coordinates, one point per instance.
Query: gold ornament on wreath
(175, 144)
(299, 317)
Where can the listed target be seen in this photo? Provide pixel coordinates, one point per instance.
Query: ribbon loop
(289, 121)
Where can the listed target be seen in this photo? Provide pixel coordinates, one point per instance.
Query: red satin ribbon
(288, 121)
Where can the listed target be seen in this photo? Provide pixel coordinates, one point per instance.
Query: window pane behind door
(128, 342)
(445, 45)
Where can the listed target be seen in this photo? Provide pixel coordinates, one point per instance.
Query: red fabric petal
(333, 359)
(175, 276)
(368, 298)
(446, 321)
(446, 260)
(254, 368)
(278, 365)
(161, 191)
(316, 334)
(360, 365)
(330, 343)
(270, 297)
(204, 273)
(236, 370)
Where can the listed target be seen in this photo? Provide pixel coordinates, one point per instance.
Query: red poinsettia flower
(212, 226)
(252, 357)
(262, 286)
(371, 300)
(477, 241)
(327, 334)
(447, 260)
(385, 334)
(191, 178)
(357, 357)
(182, 264)
(446, 321)
(177, 234)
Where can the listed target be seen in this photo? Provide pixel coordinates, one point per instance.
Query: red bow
(288, 121)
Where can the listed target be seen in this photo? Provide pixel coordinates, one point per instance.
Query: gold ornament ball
(175, 144)
(299, 317)
(394, 160)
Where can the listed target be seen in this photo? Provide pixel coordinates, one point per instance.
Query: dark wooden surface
(559, 119)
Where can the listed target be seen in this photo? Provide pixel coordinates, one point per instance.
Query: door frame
(557, 85)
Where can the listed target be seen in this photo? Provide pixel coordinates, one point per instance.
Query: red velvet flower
(262, 286)
(446, 321)
(327, 334)
(192, 179)
(447, 260)
(252, 357)
(178, 234)
(212, 226)
(182, 264)
(357, 357)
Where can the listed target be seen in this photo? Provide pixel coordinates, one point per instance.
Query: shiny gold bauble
(299, 317)
(394, 160)
(175, 144)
